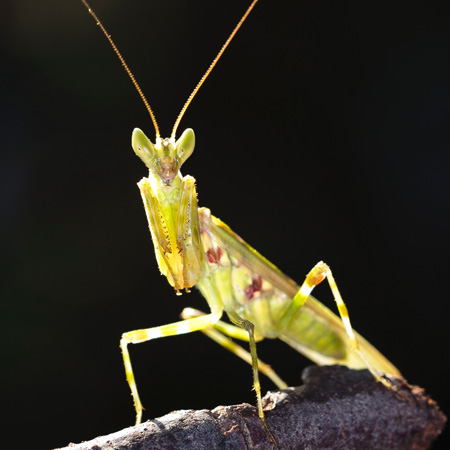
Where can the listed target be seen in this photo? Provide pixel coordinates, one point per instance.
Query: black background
(322, 134)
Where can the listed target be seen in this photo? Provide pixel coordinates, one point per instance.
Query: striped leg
(172, 329)
(221, 332)
(315, 277)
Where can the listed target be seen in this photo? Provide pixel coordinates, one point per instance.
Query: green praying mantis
(194, 248)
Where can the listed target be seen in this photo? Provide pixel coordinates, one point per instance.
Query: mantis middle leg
(221, 333)
(143, 335)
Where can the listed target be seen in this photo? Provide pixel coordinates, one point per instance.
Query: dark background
(322, 134)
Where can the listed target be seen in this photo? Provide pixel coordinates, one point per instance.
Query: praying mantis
(194, 248)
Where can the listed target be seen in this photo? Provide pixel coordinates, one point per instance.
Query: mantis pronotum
(194, 248)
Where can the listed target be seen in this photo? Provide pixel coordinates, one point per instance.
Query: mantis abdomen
(259, 292)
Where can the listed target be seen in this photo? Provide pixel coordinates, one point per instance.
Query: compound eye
(143, 147)
(185, 145)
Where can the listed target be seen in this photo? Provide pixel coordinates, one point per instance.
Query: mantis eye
(143, 147)
(185, 145)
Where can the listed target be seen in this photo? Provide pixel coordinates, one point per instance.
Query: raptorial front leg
(221, 332)
(188, 233)
(143, 335)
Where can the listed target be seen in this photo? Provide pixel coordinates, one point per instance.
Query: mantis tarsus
(194, 248)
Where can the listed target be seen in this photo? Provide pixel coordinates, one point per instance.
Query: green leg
(343, 312)
(250, 328)
(188, 233)
(172, 329)
(318, 274)
(221, 332)
(215, 289)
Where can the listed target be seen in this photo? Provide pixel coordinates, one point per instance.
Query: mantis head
(165, 157)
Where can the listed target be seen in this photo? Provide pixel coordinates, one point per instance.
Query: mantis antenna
(124, 64)
(211, 67)
(196, 89)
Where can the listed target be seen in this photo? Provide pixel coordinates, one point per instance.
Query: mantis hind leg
(319, 273)
(221, 333)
